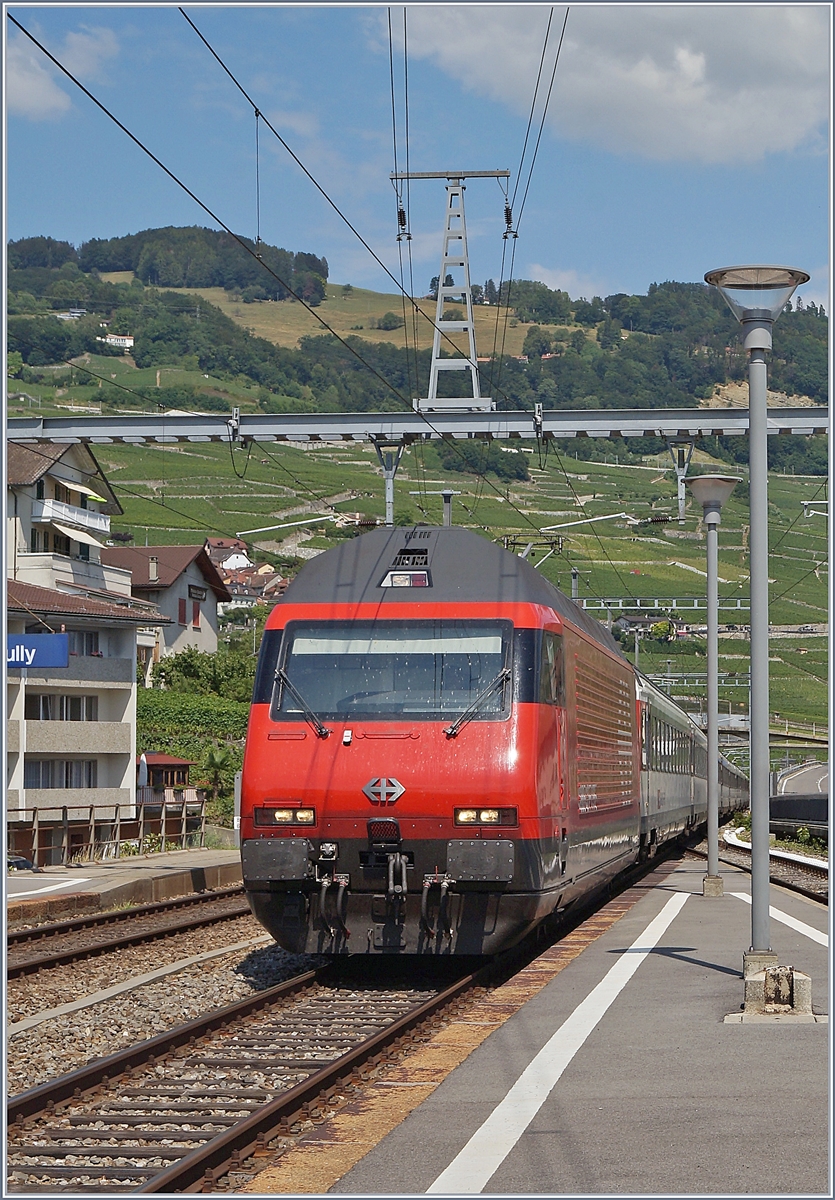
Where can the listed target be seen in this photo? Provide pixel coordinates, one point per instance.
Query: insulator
(508, 216)
(401, 217)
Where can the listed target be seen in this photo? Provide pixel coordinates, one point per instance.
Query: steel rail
(208, 1162)
(408, 426)
(33, 933)
(38, 962)
(777, 879)
(96, 1074)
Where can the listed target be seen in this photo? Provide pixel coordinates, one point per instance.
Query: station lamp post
(756, 295)
(711, 491)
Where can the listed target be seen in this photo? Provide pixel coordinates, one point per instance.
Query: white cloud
(30, 90)
(569, 281)
(31, 87)
(715, 83)
(305, 124)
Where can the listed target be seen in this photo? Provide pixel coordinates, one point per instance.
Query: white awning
(78, 487)
(77, 535)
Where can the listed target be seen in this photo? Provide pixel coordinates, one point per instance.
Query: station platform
(58, 892)
(612, 1070)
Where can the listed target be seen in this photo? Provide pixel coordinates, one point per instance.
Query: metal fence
(57, 836)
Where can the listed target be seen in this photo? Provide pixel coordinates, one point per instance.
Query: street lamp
(756, 295)
(711, 491)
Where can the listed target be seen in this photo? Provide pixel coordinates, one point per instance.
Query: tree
(390, 320)
(477, 292)
(491, 292)
(218, 760)
(536, 343)
(14, 364)
(347, 290)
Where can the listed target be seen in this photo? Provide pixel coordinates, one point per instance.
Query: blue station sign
(37, 650)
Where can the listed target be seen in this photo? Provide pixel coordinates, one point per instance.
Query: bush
(390, 320)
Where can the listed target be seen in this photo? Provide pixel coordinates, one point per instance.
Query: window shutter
(195, 614)
(182, 616)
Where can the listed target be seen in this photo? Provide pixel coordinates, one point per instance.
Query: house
(228, 554)
(71, 731)
(123, 341)
(183, 583)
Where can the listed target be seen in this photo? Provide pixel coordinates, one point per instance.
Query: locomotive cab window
(385, 670)
(551, 685)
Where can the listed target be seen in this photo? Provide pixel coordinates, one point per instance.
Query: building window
(61, 708)
(181, 617)
(62, 494)
(60, 543)
(35, 541)
(195, 614)
(84, 642)
(60, 773)
(39, 490)
(83, 551)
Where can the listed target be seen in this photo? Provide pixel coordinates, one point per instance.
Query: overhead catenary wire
(111, 116)
(301, 166)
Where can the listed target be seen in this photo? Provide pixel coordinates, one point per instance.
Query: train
(443, 751)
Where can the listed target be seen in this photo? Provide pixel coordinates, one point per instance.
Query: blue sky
(680, 137)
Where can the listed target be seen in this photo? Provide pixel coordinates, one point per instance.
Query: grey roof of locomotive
(462, 566)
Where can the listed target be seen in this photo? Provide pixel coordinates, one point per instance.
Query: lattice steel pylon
(455, 264)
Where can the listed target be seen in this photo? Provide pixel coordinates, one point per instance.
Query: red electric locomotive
(442, 750)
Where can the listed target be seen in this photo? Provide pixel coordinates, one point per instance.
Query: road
(806, 780)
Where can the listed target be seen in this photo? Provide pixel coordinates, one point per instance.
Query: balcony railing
(44, 511)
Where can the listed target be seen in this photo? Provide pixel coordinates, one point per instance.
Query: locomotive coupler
(397, 864)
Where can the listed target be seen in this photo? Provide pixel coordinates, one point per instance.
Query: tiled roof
(46, 602)
(154, 758)
(26, 464)
(171, 562)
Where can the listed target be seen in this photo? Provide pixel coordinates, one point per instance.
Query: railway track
(809, 881)
(179, 1111)
(40, 947)
(207, 1100)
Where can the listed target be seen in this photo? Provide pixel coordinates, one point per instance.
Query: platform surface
(621, 1075)
(138, 878)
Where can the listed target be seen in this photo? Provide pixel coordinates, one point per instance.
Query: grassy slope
(286, 322)
(182, 494)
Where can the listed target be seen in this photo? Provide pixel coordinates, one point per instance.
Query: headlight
(284, 816)
(486, 816)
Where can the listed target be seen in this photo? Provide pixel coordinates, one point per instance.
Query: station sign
(37, 650)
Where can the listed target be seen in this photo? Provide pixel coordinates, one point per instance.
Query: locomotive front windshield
(385, 670)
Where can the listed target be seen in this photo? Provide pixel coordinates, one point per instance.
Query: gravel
(30, 994)
(71, 1041)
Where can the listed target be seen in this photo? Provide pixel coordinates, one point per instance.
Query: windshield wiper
(470, 712)
(309, 715)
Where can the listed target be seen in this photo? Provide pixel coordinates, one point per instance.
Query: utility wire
(296, 160)
(390, 386)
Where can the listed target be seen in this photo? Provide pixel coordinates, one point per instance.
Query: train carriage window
(551, 676)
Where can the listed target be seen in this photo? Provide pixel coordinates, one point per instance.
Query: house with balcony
(183, 584)
(70, 731)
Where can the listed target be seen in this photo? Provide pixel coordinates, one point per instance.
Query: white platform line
(55, 887)
(808, 931)
(473, 1167)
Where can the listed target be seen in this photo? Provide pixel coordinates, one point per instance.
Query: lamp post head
(756, 295)
(711, 491)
